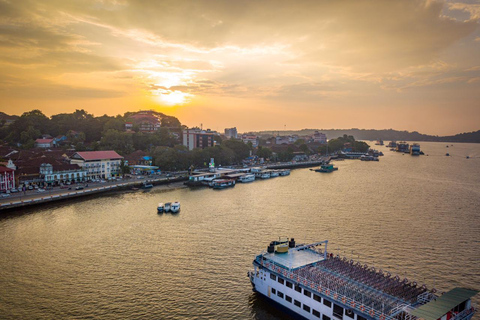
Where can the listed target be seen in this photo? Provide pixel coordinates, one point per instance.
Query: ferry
(223, 183)
(403, 146)
(274, 173)
(392, 144)
(175, 207)
(284, 172)
(415, 149)
(379, 142)
(247, 178)
(311, 283)
(264, 174)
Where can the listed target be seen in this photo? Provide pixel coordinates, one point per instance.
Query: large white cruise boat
(311, 283)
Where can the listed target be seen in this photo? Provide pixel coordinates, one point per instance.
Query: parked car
(40, 190)
(14, 190)
(79, 188)
(30, 187)
(4, 195)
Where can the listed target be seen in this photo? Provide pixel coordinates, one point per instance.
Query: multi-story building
(98, 164)
(61, 173)
(319, 137)
(246, 138)
(147, 121)
(197, 138)
(231, 133)
(7, 179)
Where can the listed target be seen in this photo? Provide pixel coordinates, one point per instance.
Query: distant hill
(386, 135)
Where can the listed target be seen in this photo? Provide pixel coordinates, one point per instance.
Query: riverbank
(18, 201)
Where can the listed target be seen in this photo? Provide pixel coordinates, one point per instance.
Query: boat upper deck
(348, 281)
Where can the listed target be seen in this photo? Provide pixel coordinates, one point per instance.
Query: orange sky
(256, 65)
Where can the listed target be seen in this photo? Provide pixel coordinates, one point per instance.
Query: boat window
(297, 288)
(273, 277)
(297, 303)
(306, 308)
(317, 298)
(349, 313)
(280, 280)
(328, 303)
(337, 311)
(274, 291)
(280, 294)
(316, 313)
(288, 298)
(289, 284)
(324, 317)
(307, 293)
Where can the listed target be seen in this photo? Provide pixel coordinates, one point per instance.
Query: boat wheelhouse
(160, 208)
(315, 284)
(326, 168)
(415, 149)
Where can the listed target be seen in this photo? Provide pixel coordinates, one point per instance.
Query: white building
(44, 143)
(246, 138)
(61, 173)
(319, 137)
(98, 164)
(285, 139)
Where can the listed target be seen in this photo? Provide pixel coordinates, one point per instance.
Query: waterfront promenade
(33, 197)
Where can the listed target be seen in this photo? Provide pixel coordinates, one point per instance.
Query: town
(72, 150)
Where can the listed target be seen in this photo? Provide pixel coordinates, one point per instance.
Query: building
(319, 137)
(197, 138)
(147, 121)
(285, 139)
(7, 179)
(61, 173)
(231, 133)
(98, 164)
(44, 143)
(253, 139)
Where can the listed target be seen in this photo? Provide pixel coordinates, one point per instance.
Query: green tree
(118, 141)
(240, 149)
(264, 152)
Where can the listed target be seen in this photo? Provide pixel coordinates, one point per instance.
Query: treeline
(84, 131)
(386, 135)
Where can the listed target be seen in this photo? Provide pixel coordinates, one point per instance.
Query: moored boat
(167, 206)
(312, 283)
(160, 208)
(284, 172)
(326, 168)
(175, 207)
(249, 177)
(223, 183)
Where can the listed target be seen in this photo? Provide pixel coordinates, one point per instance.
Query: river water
(114, 257)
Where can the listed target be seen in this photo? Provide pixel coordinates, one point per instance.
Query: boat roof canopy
(295, 258)
(435, 309)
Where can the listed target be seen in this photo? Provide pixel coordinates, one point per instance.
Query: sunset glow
(409, 65)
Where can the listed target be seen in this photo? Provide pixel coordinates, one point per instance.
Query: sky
(256, 65)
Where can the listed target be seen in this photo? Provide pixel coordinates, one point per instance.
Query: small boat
(284, 172)
(326, 168)
(247, 178)
(274, 173)
(447, 154)
(147, 186)
(223, 183)
(160, 208)
(167, 207)
(468, 157)
(175, 207)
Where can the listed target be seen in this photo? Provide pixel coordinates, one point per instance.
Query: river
(113, 256)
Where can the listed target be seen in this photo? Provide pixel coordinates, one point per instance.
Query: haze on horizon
(256, 65)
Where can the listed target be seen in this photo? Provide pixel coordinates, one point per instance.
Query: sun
(171, 98)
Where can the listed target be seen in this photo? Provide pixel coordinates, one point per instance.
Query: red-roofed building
(44, 143)
(7, 179)
(98, 164)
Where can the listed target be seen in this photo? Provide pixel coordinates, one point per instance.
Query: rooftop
(97, 155)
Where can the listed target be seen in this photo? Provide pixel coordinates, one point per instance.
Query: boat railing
(465, 314)
(328, 292)
(426, 297)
